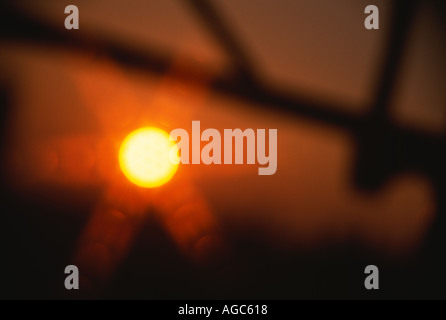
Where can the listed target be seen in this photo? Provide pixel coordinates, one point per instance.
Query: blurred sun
(148, 158)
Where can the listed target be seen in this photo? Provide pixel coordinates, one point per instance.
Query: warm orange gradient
(144, 157)
(309, 204)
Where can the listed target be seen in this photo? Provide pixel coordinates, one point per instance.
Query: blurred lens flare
(146, 157)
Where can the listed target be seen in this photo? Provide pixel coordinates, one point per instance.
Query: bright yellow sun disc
(148, 158)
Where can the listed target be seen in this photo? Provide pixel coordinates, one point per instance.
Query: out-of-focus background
(361, 126)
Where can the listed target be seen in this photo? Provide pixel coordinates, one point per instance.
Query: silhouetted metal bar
(401, 20)
(216, 25)
(17, 26)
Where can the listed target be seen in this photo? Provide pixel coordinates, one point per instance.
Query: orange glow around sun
(148, 158)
